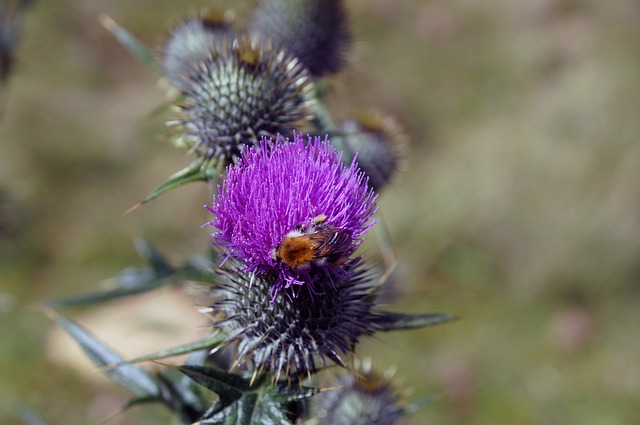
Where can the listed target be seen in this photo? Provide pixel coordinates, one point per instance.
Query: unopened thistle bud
(241, 91)
(362, 398)
(190, 43)
(315, 31)
(292, 336)
(379, 143)
(291, 209)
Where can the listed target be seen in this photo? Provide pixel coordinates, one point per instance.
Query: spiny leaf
(251, 408)
(153, 258)
(134, 281)
(229, 387)
(260, 404)
(130, 282)
(290, 394)
(131, 43)
(399, 321)
(208, 343)
(201, 169)
(136, 380)
(188, 405)
(189, 390)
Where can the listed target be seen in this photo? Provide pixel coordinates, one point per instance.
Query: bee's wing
(332, 243)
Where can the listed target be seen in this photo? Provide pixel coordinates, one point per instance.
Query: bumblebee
(318, 243)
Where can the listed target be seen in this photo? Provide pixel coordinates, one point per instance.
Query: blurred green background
(519, 209)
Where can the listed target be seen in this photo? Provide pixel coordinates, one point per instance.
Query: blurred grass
(519, 209)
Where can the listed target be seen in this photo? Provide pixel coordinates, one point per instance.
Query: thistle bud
(315, 31)
(362, 398)
(379, 143)
(242, 90)
(190, 43)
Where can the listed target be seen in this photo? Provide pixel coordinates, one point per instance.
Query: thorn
(107, 22)
(133, 208)
(254, 375)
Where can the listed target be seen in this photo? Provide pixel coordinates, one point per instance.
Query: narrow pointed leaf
(229, 387)
(198, 269)
(136, 380)
(198, 170)
(153, 258)
(295, 394)
(131, 43)
(129, 282)
(398, 321)
(177, 400)
(134, 281)
(210, 342)
(187, 387)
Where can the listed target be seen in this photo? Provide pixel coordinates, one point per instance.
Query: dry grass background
(519, 209)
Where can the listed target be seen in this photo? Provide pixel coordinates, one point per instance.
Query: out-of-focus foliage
(518, 208)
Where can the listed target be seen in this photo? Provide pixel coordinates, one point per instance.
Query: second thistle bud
(315, 31)
(235, 91)
(365, 397)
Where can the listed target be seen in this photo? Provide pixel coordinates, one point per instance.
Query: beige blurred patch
(132, 327)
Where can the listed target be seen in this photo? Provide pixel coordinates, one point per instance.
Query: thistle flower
(379, 144)
(191, 43)
(291, 208)
(286, 336)
(315, 31)
(242, 90)
(362, 398)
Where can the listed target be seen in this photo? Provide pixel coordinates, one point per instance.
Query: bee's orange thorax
(297, 251)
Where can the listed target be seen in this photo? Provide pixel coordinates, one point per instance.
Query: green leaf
(133, 281)
(210, 342)
(131, 43)
(241, 403)
(153, 258)
(228, 386)
(252, 408)
(398, 321)
(129, 282)
(201, 169)
(188, 405)
(136, 380)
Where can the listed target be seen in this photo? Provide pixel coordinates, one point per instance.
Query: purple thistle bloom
(292, 208)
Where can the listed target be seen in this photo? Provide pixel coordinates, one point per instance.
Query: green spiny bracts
(242, 90)
(292, 334)
(315, 31)
(364, 397)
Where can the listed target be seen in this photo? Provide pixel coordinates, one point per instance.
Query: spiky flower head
(378, 142)
(242, 90)
(365, 397)
(293, 336)
(191, 43)
(293, 208)
(315, 31)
